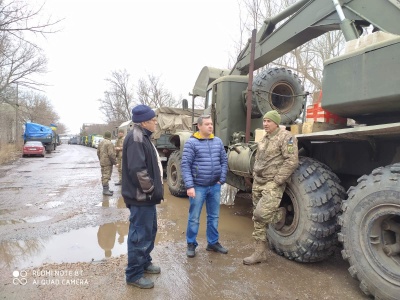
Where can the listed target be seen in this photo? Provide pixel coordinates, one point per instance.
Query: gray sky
(172, 39)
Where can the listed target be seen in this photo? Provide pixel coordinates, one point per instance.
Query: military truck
(170, 121)
(364, 159)
(41, 133)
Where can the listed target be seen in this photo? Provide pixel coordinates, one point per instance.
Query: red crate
(317, 114)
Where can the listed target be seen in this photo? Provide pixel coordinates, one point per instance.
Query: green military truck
(170, 121)
(347, 185)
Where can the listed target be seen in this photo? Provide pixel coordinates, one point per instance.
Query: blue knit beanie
(142, 113)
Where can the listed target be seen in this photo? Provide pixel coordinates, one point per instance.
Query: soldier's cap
(274, 116)
(107, 134)
(121, 130)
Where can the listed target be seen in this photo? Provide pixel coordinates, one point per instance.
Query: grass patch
(9, 152)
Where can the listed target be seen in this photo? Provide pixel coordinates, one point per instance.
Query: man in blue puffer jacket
(204, 167)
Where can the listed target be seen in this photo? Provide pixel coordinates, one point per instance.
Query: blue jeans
(211, 195)
(141, 237)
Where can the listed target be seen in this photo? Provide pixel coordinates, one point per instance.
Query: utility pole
(16, 118)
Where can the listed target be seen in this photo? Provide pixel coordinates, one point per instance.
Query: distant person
(204, 167)
(106, 237)
(142, 189)
(118, 150)
(276, 159)
(106, 155)
(122, 230)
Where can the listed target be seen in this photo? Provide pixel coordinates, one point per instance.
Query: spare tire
(278, 89)
(174, 175)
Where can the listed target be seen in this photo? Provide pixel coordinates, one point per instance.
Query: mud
(61, 238)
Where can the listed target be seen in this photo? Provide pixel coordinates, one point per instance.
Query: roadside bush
(9, 152)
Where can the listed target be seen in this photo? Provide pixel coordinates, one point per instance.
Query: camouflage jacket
(276, 157)
(106, 153)
(119, 144)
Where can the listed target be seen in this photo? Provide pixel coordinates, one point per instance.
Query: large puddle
(82, 245)
(109, 240)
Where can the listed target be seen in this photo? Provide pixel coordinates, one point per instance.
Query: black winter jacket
(141, 178)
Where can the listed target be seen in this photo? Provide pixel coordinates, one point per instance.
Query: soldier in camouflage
(106, 155)
(276, 159)
(118, 150)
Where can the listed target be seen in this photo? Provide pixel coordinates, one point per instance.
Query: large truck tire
(174, 176)
(370, 232)
(312, 200)
(279, 89)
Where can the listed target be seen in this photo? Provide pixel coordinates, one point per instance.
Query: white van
(96, 141)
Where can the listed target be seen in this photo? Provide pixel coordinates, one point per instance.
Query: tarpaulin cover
(171, 120)
(33, 130)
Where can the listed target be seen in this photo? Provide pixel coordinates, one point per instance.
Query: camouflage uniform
(106, 155)
(275, 161)
(119, 144)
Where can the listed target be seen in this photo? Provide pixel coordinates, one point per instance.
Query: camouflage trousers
(266, 200)
(119, 162)
(106, 172)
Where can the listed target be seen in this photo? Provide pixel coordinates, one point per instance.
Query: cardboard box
(310, 127)
(296, 128)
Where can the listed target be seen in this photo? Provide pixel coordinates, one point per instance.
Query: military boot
(106, 191)
(259, 255)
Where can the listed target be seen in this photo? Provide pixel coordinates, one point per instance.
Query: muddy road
(62, 239)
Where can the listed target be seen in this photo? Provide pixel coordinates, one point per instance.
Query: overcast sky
(172, 39)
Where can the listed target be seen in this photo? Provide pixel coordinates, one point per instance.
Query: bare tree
(118, 99)
(306, 60)
(35, 107)
(151, 92)
(20, 57)
(17, 18)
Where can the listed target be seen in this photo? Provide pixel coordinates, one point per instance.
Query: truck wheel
(371, 232)
(278, 89)
(174, 176)
(312, 200)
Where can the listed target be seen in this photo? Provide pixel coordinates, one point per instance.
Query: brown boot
(259, 255)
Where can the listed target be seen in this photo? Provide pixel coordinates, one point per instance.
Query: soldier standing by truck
(118, 150)
(106, 155)
(276, 160)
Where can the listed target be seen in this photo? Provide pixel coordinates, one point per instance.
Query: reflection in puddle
(117, 203)
(82, 245)
(37, 219)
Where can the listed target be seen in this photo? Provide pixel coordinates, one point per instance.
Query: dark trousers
(141, 236)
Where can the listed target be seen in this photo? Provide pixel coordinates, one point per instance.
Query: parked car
(96, 141)
(33, 148)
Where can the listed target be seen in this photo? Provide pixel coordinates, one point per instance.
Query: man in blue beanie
(142, 189)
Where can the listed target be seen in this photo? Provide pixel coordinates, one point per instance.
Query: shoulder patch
(290, 145)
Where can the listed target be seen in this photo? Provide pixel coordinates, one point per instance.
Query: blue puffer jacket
(204, 161)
